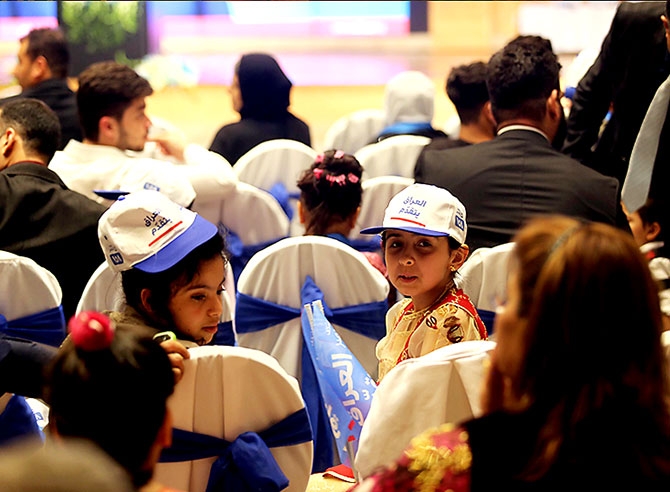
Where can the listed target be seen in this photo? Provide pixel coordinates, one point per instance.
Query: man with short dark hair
(41, 70)
(466, 88)
(111, 101)
(39, 216)
(518, 174)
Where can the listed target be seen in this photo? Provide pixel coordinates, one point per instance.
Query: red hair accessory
(338, 154)
(352, 178)
(91, 330)
(318, 173)
(319, 159)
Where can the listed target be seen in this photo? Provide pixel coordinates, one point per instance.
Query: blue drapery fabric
(241, 253)
(368, 319)
(488, 318)
(225, 335)
(17, 421)
(282, 196)
(405, 128)
(46, 327)
(246, 464)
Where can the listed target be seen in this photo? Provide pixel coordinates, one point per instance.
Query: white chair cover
(26, 287)
(277, 161)
(103, 292)
(277, 274)
(253, 214)
(393, 156)
(484, 278)
(354, 131)
(29, 289)
(377, 193)
(226, 391)
(442, 386)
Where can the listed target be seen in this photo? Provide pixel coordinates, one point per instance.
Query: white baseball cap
(427, 210)
(148, 231)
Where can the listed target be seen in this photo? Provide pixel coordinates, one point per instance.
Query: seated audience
(577, 394)
(172, 266)
(111, 104)
(40, 217)
(466, 88)
(41, 71)
(423, 238)
(110, 384)
(409, 106)
(260, 93)
(519, 175)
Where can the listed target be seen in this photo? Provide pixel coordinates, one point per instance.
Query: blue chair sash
(241, 253)
(17, 421)
(369, 319)
(283, 197)
(488, 318)
(225, 335)
(46, 327)
(246, 464)
(405, 128)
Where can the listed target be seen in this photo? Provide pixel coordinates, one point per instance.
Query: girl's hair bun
(91, 330)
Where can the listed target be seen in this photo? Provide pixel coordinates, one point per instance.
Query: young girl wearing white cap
(423, 237)
(172, 265)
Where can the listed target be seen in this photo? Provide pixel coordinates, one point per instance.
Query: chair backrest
(225, 392)
(254, 219)
(31, 300)
(273, 161)
(393, 156)
(484, 278)
(354, 131)
(103, 292)
(442, 386)
(277, 274)
(377, 193)
(278, 161)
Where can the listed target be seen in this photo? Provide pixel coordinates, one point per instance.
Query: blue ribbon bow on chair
(282, 195)
(246, 464)
(368, 319)
(46, 326)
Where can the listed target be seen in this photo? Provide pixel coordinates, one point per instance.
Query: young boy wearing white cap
(172, 265)
(423, 237)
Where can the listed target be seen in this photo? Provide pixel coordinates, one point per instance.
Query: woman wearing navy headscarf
(261, 94)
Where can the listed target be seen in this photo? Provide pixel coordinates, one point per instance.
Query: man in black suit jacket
(632, 63)
(40, 217)
(518, 174)
(41, 71)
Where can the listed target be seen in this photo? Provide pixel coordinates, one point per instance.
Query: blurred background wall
(338, 54)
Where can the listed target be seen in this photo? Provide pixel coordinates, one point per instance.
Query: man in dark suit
(518, 174)
(41, 71)
(632, 63)
(39, 216)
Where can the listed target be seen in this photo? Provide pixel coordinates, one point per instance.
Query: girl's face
(197, 306)
(420, 266)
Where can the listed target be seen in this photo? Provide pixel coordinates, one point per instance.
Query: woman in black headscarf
(261, 94)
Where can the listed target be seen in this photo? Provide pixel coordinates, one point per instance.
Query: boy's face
(420, 266)
(133, 129)
(197, 306)
(642, 233)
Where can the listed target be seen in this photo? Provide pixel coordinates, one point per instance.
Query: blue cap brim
(415, 230)
(110, 194)
(198, 233)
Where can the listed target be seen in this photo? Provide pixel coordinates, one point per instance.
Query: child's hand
(176, 353)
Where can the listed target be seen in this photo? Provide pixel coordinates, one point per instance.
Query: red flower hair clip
(91, 330)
